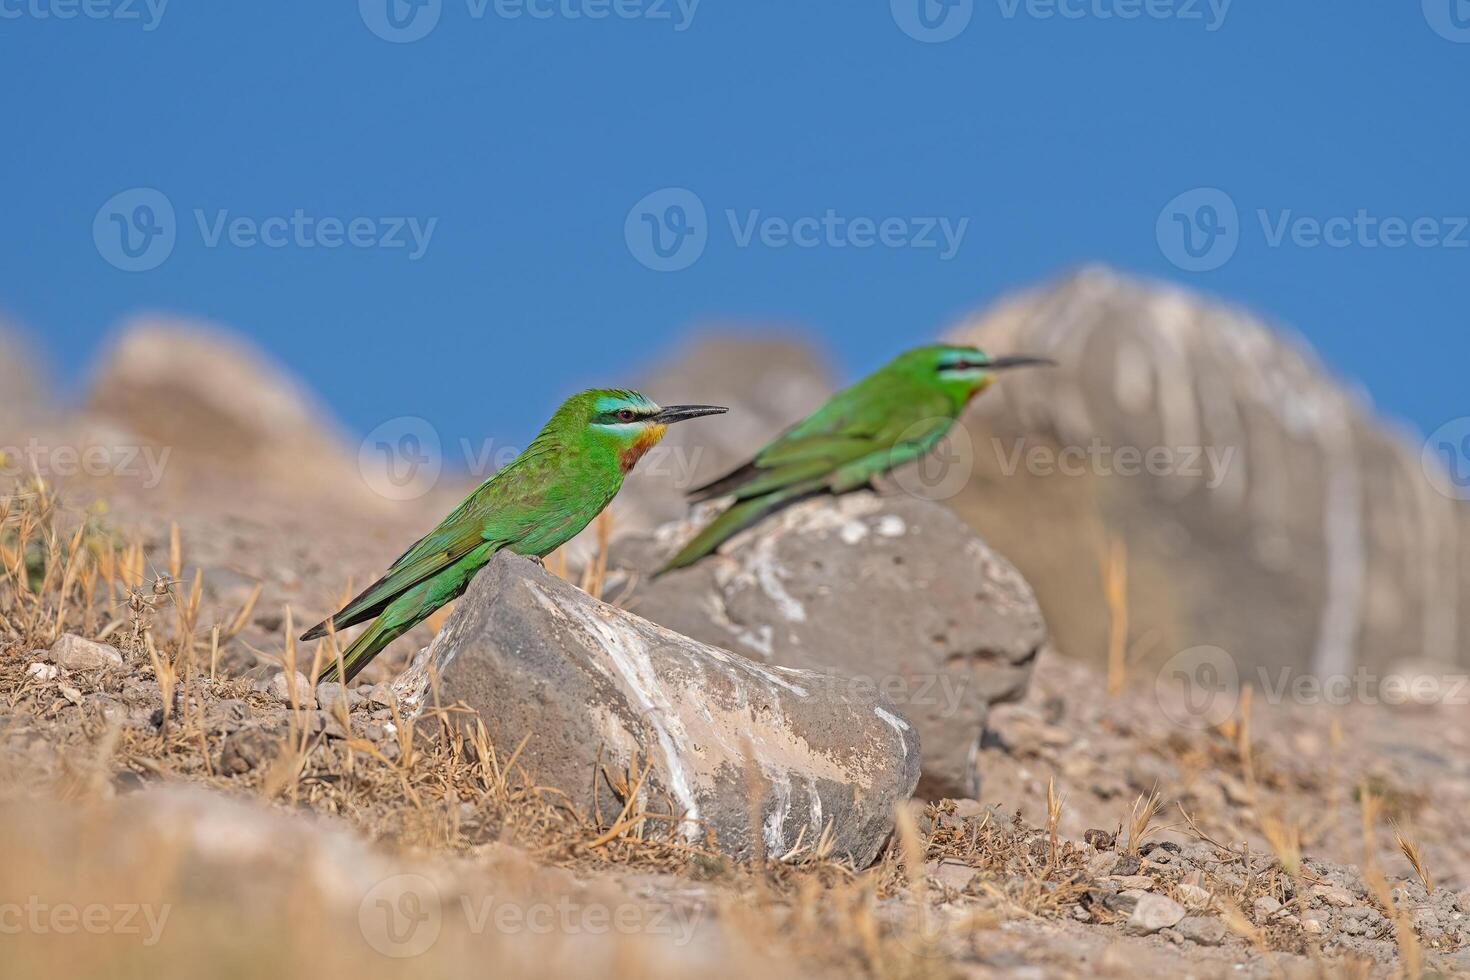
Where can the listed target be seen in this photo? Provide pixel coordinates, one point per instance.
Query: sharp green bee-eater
(893, 416)
(535, 504)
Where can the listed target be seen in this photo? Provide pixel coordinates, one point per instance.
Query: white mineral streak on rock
(1345, 560)
(778, 798)
(1133, 379)
(768, 573)
(1441, 568)
(893, 721)
(631, 658)
(761, 639)
(891, 526)
(814, 804)
(767, 674)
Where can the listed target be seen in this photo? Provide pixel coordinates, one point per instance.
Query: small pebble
(75, 653)
(1154, 912)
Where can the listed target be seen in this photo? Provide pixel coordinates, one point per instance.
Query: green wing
(501, 511)
(455, 537)
(859, 433)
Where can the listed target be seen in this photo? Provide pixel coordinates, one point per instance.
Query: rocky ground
(1104, 839)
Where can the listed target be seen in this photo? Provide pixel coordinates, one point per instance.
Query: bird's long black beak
(679, 413)
(1018, 360)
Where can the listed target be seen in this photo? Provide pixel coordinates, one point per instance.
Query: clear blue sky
(530, 139)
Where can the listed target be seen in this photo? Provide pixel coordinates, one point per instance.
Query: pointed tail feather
(736, 519)
(361, 651)
(722, 485)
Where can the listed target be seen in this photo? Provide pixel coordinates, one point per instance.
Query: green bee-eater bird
(893, 416)
(535, 504)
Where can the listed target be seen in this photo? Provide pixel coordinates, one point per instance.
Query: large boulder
(894, 592)
(221, 407)
(733, 744)
(1209, 470)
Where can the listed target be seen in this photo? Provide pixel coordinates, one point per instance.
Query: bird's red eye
(626, 415)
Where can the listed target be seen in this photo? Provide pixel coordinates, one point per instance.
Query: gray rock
(1265, 907)
(1282, 519)
(246, 749)
(42, 671)
(1154, 912)
(288, 690)
(330, 695)
(952, 874)
(893, 593)
(1207, 930)
(731, 743)
(1334, 895)
(1194, 897)
(75, 653)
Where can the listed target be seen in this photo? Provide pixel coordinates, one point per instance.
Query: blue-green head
(960, 370)
(623, 422)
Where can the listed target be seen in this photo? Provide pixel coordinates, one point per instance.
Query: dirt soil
(1288, 840)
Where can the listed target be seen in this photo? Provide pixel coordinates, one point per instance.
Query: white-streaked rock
(731, 742)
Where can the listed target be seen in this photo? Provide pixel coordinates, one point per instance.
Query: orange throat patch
(647, 439)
